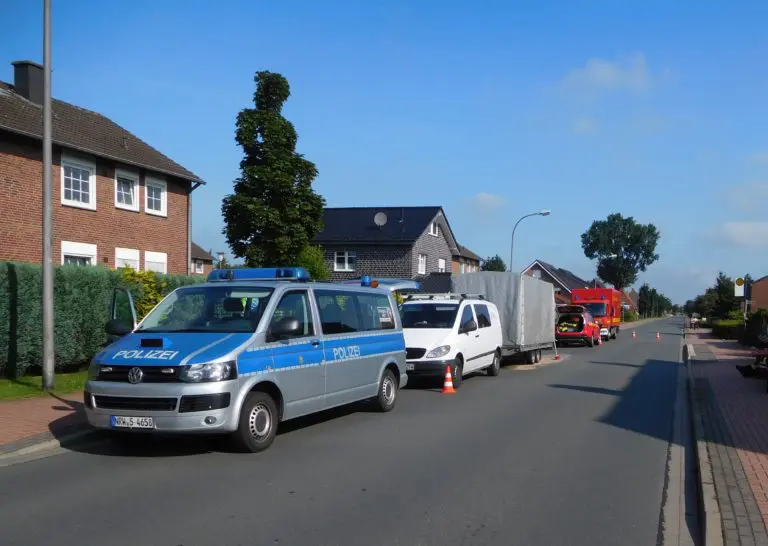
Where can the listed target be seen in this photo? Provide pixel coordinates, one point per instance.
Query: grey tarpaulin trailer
(526, 309)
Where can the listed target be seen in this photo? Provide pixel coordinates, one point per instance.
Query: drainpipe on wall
(192, 188)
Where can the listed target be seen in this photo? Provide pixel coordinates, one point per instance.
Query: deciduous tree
(273, 213)
(494, 263)
(633, 244)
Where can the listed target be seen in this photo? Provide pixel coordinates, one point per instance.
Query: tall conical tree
(274, 212)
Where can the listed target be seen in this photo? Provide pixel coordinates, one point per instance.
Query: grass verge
(31, 386)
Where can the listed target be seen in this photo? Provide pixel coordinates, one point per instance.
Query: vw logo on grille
(135, 375)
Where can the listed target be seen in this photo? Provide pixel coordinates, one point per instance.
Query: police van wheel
(387, 396)
(493, 369)
(258, 423)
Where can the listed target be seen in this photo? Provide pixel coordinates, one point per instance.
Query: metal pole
(48, 349)
(512, 244)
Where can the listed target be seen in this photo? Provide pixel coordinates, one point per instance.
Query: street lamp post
(221, 259)
(545, 212)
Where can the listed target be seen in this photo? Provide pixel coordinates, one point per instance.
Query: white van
(457, 330)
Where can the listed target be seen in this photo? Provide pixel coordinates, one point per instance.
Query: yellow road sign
(739, 282)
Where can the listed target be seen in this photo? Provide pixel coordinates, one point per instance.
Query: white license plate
(409, 367)
(120, 421)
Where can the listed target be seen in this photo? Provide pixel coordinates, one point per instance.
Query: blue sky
(656, 110)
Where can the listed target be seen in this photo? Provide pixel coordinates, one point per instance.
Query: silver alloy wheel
(388, 390)
(260, 422)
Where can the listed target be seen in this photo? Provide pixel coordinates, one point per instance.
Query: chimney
(28, 80)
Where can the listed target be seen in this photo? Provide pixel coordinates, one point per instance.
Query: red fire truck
(604, 304)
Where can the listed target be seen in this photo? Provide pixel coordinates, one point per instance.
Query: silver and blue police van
(244, 351)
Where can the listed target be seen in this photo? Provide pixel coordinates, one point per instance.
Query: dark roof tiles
(86, 131)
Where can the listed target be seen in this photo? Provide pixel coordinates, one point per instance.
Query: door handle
(315, 343)
(477, 335)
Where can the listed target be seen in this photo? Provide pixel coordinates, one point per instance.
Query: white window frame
(422, 266)
(441, 265)
(156, 257)
(434, 229)
(79, 250)
(158, 183)
(199, 266)
(68, 160)
(128, 254)
(346, 254)
(133, 177)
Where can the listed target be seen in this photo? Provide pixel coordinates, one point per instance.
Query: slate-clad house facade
(563, 280)
(402, 242)
(117, 201)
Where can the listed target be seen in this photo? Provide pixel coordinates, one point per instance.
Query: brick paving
(736, 428)
(24, 422)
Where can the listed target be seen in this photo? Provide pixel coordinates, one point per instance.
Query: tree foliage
(652, 303)
(633, 244)
(718, 301)
(273, 213)
(312, 259)
(494, 263)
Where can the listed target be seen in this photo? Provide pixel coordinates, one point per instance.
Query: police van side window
(376, 311)
(483, 316)
(295, 304)
(339, 312)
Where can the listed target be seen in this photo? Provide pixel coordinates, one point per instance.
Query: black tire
(258, 423)
(387, 396)
(457, 373)
(614, 334)
(538, 356)
(530, 358)
(495, 367)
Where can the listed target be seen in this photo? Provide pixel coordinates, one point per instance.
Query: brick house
(759, 294)
(202, 261)
(563, 280)
(116, 200)
(465, 261)
(400, 242)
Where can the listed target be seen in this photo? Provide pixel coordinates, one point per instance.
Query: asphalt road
(569, 454)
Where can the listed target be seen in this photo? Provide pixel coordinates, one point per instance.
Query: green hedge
(630, 316)
(728, 329)
(82, 296)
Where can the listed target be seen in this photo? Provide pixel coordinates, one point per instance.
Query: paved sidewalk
(30, 421)
(735, 415)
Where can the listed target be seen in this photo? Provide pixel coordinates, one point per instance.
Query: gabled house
(202, 261)
(117, 201)
(465, 261)
(402, 242)
(563, 280)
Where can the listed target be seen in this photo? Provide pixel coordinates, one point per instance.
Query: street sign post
(738, 289)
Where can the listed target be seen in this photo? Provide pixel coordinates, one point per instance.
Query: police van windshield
(429, 315)
(209, 309)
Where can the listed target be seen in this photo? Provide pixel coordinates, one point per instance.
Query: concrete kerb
(711, 524)
(47, 441)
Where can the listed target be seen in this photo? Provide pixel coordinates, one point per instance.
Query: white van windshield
(429, 315)
(209, 309)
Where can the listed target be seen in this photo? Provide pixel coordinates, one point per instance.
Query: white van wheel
(258, 423)
(495, 367)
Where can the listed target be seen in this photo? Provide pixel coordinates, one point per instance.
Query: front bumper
(428, 368)
(605, 332)
(183, 406)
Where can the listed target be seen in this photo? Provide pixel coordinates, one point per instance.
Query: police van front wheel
(258, 423)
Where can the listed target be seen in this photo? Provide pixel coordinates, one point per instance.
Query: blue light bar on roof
(260, 274)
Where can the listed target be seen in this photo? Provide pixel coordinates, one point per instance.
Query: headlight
(211, 371)
(438, 352)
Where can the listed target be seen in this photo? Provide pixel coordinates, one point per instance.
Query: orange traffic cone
(658, 336)
(448, 383)
(634, 335)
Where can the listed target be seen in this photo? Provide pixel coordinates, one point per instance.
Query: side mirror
(117, 327)
(469, 326)
(285, 327)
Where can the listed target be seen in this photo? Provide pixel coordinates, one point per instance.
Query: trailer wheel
(530, 357)
(538, 356)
